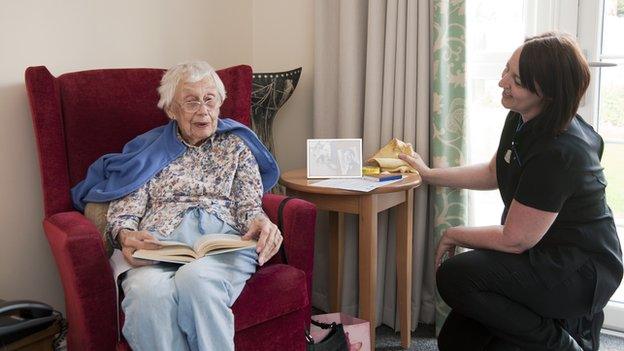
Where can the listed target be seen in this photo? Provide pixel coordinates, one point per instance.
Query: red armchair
(79, 116)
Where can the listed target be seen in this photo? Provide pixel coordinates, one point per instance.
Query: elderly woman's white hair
(190, 72)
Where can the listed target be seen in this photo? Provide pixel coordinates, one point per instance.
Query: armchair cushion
(96, 213)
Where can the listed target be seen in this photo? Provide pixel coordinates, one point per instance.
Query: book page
(173, 243)
(181, 259)
(209, 244)
(222, 242)
(169, 252)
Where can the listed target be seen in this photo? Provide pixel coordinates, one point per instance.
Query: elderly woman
(540, 280)
(195, 176)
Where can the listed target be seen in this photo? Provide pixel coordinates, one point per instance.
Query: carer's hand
(446, 245)
(417, 162)
(268, 236)
(132, 240)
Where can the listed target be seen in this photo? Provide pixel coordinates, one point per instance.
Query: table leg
(404, 225)
(336, 259)
(368, 261)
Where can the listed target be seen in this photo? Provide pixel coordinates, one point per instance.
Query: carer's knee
(450, 279)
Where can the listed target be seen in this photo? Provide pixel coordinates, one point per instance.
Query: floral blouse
(220, 176)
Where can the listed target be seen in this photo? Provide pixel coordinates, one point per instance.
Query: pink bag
(357, 330)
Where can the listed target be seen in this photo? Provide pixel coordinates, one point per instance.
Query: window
(611, 112)
(493, 31)
(601, 25)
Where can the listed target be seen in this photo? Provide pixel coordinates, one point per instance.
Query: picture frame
(334, 158)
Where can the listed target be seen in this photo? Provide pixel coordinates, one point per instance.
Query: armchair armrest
(299, 219)
(87, 281)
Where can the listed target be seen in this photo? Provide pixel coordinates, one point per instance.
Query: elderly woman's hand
(268, 236)
(132, 240)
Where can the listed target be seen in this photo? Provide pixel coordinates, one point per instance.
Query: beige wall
(283, 39)
(75, 35)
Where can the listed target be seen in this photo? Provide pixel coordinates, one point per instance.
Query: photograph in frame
(334, 158)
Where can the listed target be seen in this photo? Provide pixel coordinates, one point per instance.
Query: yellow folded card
(369, 170)
(387, 158)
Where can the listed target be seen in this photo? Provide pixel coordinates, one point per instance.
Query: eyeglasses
(194, 106)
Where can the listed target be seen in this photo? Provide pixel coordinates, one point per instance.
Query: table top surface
(297, 180)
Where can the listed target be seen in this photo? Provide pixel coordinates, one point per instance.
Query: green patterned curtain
(448, 113)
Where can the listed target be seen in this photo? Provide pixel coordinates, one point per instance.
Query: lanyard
(514, 144)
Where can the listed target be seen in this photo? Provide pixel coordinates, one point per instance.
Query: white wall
(75, 35)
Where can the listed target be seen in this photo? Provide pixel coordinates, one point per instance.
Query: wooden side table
(367, 206)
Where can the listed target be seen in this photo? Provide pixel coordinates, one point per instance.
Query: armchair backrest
(81, 116)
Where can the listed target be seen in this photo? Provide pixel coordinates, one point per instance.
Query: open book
(210, 244)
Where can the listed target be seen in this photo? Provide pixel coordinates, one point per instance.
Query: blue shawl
(115, 175)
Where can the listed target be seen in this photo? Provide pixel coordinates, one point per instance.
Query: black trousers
(499, 303)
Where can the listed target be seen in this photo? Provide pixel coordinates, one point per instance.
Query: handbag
(280, 226)
(338, 331)
(335, 340)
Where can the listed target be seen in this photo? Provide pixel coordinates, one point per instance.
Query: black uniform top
(562, 174)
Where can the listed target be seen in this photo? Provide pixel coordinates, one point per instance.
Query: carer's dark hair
(554, 62)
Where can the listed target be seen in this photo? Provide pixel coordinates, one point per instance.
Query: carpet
(423, 339)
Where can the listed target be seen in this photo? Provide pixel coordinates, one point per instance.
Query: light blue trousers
(187, 307)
